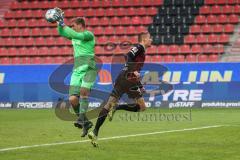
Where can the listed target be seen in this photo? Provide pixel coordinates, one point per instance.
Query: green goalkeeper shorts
(84, 78)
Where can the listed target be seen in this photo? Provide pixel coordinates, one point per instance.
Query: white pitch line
(108, 138)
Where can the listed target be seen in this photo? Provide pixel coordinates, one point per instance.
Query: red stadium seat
(64, 4)
(46, 32)
(28, 14)
(93, 21)
(162, 49)
(179, 58)
(5, 32)
(201, 38)
(22, 23)
(189, 39)
(2, 24)
(102, 40)
(195, 29)
(22, 51)
(227, 9)
(36, 32)
(40, 41)
(127, 3)
(121, 11)
(3, 51)
(36, 60)
(33, 23)
(228, 28)
(207, 49)
(11, 23)
(157, 59)
(211, 19)
(152, 50)
(99, 50)
(9, 14)
(29, 41)
(209, 2)
(140, 29)
(200, 19)
(151, 11)
(185, 49)
(196, 49)
(110, 12)
(115, 21)
(233, 19)
(120, 30)
(205, 10)
(100, 12)
(98, 31)
(113, 39)
(148, 59)
(50, 41)
(216, 9)
(9, 41)
(223, 38)
(2, 42)
(191, 58)
(60, 41)
(116, 3)
(90, 12)
(32, 51)
(16, 60)
(218, 28)
(125, 20)
(222, 19)
(16, 32)
(69, 13)
(26, 32)
(213, 58)
(20, 41)
(67, 51)
(131, 11)
(173, 49)
(14, 5)
(79, 12)
(142, 11)
(202, 58)
(168, 58)
(130, 30)
(110, 30)
(75, 4)
(206, 28)
(146, 20)
(218, 48)
(212, 38)
(104, 21)
(12, 51)
(237, 9)
(43, 51)
(136, 20)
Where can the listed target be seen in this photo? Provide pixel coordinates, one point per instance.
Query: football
(49, 15)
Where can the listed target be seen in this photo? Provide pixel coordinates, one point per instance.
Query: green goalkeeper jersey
(83, 42)
(83, 45)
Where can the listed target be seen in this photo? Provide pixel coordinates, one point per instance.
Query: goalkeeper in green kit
(84, 70)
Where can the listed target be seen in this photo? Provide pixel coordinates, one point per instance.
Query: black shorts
(123, 85)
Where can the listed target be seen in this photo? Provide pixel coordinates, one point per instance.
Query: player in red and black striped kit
(128, 81)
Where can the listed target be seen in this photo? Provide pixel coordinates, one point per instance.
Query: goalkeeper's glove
(59, 17)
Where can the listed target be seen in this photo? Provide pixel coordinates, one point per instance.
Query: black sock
(101, 118)
(129, 107)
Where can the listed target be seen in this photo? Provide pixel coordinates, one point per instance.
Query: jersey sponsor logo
(134, 50)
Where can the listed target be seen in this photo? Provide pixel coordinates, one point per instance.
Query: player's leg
(134, 92)
(101, 118)
(74, 93)
(87, 83)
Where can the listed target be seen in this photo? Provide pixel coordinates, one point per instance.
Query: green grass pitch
(36, 127)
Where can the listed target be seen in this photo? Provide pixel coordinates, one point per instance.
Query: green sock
(83, 105)
(76, 109)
